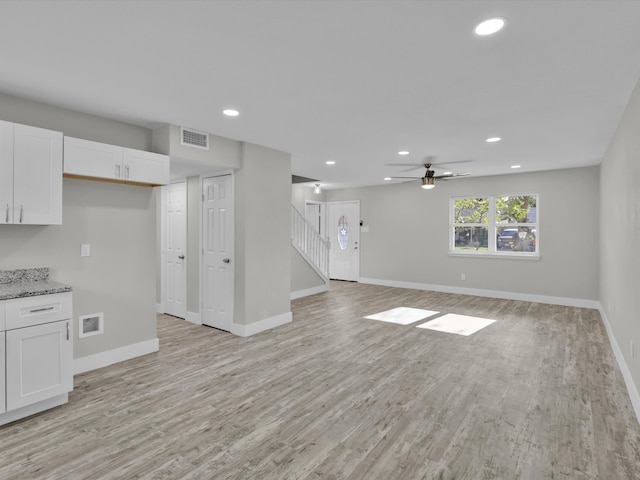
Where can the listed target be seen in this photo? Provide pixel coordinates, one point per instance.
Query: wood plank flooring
(333, 396)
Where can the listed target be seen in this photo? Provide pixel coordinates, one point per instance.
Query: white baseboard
(193, 317)
(525, 297)
(626, 373)
(104, 359)
(159, 308)
(262, 325)
(34, 408)
(310, 291)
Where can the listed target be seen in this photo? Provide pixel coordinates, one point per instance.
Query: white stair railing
(309, 243)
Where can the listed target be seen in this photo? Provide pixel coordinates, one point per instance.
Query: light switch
(85, 250)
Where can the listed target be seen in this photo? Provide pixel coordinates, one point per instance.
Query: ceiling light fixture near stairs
(317, 190)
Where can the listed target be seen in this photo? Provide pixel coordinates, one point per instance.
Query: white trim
(310, 291)
(525, 297)
(261, 325)
(159, 308)
(104, 359)
(193, 317)
(13, 415)
(634, 395)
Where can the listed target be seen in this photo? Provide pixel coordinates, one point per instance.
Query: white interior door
(217, 241)
(174, 275)
(343, 230)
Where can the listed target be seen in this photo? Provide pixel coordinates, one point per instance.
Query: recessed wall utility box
(89, 325)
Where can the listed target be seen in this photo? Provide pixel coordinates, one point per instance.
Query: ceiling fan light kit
(428, 182)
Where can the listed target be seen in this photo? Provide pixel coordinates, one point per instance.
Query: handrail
(309, 243)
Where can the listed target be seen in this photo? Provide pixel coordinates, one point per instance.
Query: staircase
(308, 242)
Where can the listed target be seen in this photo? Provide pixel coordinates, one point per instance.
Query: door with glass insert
(344, 232)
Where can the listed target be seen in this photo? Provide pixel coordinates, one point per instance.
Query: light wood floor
(536, 395)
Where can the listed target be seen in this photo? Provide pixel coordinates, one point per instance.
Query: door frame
(323, 215)
(163, 231)
(331, 245)
(220, 173)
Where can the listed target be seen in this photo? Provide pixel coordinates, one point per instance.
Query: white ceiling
(349, 81)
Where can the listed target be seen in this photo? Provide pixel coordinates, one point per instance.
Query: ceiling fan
(429, 179)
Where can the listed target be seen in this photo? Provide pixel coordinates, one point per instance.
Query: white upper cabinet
(92, 159)
(145, 167)
(84, 158)
(30, 175)
(6, 172)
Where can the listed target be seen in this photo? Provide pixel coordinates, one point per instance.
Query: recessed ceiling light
(330, 162)
(516, 166)
(493, 139)
(489, 26)
(403, 152)
(387, 178)
(229, 112)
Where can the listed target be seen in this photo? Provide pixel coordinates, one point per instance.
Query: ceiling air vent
(193, 138)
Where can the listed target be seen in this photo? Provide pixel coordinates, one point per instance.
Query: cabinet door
(92, 159)
(6, 172)
(37, 176)
(39, 363)
(145, 167)
(3, 404)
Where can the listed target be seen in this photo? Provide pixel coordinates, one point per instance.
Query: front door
(174, 274)
(343, 229)
(217, 242)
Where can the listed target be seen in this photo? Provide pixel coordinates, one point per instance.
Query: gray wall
(119, 276)
(263, 234)
(408, 234)
(117, 220)
(620, 234)
(300, 193)
(74, 124)
(303, 276)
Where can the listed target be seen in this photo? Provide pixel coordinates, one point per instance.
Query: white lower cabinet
(3, 403)
(38, 363)
(36, 354)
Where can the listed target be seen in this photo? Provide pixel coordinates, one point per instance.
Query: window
(503, 224)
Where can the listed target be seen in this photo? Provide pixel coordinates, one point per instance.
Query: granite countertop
(28, 282)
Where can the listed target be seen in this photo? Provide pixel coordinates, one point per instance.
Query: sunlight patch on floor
(459, 324)
(402, 315)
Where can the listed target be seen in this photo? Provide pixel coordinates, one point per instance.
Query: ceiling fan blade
(451, 175)
(451, 163)
(413, 178)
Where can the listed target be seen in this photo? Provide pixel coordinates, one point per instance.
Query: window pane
(471, 238)
(471, 210)
(516, 209)
(343, 233)
(516, 239)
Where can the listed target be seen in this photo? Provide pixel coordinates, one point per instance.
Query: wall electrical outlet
(463, 276)
(85, 250)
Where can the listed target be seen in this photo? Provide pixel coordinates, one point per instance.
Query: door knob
(225, 260)
(181, 257)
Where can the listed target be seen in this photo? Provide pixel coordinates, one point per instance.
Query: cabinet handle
(117, 171)
(126, 171)
(67, 330)
(44, 309)
(7, 214)
(20, 213)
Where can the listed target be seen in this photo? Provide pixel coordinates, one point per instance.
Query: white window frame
(492, 250)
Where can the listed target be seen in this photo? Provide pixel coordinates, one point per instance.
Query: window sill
(501, 256)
